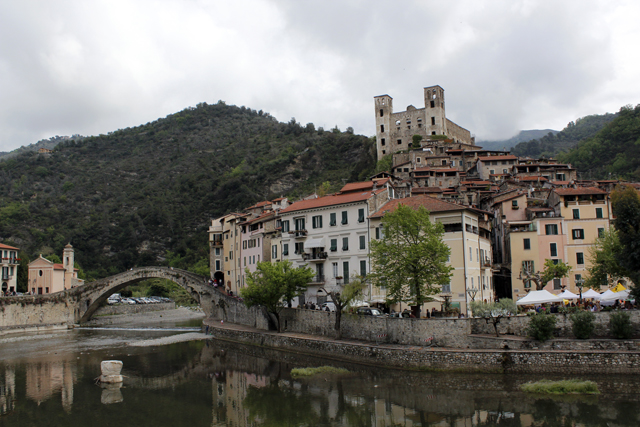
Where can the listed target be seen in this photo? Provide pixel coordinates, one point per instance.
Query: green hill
(614, 152)
(552, 144)
(139, 195)
(522, 136)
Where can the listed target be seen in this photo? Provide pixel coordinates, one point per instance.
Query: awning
(314, 243)
(538, 297)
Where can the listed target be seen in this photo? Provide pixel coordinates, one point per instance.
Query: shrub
(541, 326)
(620, 325)
(583, 324)
(574, 386)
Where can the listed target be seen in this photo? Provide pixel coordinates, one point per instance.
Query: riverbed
(175, 376)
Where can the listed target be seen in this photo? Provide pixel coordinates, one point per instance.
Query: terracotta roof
(418, 190)
(260, 217)
(510, 198)
(3, 246)
(58, 267)
(532, 178)
(331, 200)
(444, 169)
(491, 158)
(579, 191)
(429, 203)
(279, 199)
(359, 186)
(476, 183)
(401, 164)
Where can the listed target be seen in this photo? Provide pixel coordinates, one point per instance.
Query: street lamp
(579, 285)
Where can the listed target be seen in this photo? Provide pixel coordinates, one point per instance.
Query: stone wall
(110, 310)
(36, 311)
(520, 361)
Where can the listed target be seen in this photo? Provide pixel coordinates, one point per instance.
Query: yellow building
(9, 264)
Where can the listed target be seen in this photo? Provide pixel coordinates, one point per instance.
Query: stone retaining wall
(518, 361)
(110, 310)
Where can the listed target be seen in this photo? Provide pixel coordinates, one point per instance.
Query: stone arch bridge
(77, 305)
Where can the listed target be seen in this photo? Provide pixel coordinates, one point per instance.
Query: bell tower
(68, 263)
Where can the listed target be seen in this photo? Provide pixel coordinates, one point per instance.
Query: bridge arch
(92, 295)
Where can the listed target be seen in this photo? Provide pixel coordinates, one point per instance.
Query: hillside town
(503, 216)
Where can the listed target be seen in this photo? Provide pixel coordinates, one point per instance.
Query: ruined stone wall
(458, 133)
(36, 311)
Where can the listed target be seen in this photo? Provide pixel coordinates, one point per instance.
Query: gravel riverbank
(180, 314)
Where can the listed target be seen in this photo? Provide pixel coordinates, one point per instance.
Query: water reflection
(222, 384)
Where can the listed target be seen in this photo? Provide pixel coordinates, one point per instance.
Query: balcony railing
(523, 228)
(316, 256)
(319, 278)
(485, 263)
(10, 260)
(300, 233)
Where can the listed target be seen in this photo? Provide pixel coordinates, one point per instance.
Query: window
(551, 229)
(504, 171)
(492, 171)
(345, 271)
(274, 251)
(382, 141)
(298, 247)
(560, 177)
(345, 243)
(579, 258)
(334, 266)
(598, 212)
(217, 265)
(514, 203)
(557, 284)
(363, 268)
(362, 242)
(433, 121)
(245, 261)
(361, 215)
(577, 234)
(381, 112)
(334, 245)
(344, 217)
(285, 226)
(470, 254)
(399, 142)
(316, 221)
(601, 232)
(300, 224)
(578, 277)
(217, 251)
(381, 128)
(576, 214)
(527, 243)
(285, 249)
(418, 160)
(332, 219)
(553, 247)
(527, 266)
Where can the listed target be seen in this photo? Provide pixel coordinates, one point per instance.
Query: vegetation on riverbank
(307, 372)
(573, 386)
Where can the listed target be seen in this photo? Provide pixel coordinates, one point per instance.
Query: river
(49, 380)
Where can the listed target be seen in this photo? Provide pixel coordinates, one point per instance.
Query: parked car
(369, 311)
(328, 306)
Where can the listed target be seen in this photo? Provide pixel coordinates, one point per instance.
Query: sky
(91, 67)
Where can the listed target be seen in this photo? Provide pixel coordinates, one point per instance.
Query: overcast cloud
(91, 67)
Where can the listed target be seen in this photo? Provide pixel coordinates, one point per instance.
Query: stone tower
(68, 263)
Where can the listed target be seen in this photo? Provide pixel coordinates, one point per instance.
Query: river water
(49, 380)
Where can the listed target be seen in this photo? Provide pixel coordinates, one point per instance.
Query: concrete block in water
(111, 371)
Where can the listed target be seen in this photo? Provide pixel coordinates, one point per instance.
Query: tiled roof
(58, 267)
(532, 178)
(510, 198)
(418, 190)
(3, 246)
(430, 203)
(578, 191)
(260, 217)
(476, 183)
(331, 200)
(359, 186)
(492, 158)
(401, 164)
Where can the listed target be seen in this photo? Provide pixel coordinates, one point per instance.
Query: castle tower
(383, 112)
(68, 263)
(436, 119)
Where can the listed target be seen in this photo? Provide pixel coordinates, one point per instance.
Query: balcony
(523, 228)
(485, 263)
(216, 242)
(316, 256)
(300, 233)
(12, 261)
(319, 278)
(7, 276)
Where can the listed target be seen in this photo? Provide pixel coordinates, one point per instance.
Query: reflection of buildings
(8, 391)
(46, 378)
(229, 391)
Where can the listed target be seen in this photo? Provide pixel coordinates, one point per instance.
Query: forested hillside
(614, 152)
(551, 144)
(523, 135)
(139, 195)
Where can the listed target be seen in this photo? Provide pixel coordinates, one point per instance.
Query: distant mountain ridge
(523, 135)
(49, 144)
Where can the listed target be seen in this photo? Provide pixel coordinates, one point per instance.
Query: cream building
(9, 264)
(467, 233)
(46, 277)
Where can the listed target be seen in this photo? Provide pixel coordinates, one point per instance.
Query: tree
(493, 311)
(352, 291)
(385, 164)
(273, 285)
(416, 141)
(23, 273)
(411, 259)
(626, 209)
(605, 260)
(550, 271)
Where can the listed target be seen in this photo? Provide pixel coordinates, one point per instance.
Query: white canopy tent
(568, 295)
(591, 294)
(623, 295)
(606, 295)
(538, 297)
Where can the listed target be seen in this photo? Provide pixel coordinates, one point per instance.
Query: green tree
(54, 259)
(411, 259)
(551, 271)
(605, 260)
(494, 311)
(416, 139)
(273, 285)
(352, 291)
(23, 272)
(626, 209)
(385, 164)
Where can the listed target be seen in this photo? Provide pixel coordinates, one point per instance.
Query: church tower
(68, 263)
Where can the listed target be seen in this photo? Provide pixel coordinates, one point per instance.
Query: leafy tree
(54, 259)
(626, 208)
(411, 259)
(385, 164)
(352, 291)
(23, 273)
(416, 141)
(551, 271)
(494, 311)
(605, 260)
(273, 285)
